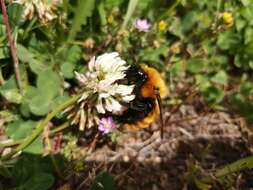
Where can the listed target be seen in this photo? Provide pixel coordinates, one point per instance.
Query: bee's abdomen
(137, 111)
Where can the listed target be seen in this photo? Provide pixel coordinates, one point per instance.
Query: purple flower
(142, 25)
(106, 125)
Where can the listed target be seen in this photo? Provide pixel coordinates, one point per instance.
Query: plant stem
(12, 45)
(1, 77)
(52, 132)
(11, 143)
(244, 163)
(38, 130)
(60, 128)
(236, 166)
(130, 10)
(169, 11)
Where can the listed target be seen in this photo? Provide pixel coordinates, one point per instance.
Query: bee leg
(159, 100)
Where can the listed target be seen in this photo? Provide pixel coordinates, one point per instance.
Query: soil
(195, 143)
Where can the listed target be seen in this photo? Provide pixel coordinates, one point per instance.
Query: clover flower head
(106, 125)
(102, 80)
(142, 25)
(44, 9)
(102, 92)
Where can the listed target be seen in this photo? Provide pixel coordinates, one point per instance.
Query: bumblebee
(146, 107)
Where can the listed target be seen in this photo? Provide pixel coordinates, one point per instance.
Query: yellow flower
(227, 18)
(110, 19)
(162, 25)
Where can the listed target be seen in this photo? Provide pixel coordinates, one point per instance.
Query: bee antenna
(159, 100)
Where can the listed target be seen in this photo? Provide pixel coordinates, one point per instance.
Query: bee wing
(159, 100)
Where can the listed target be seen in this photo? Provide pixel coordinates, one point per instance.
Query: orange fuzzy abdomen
(145, 122)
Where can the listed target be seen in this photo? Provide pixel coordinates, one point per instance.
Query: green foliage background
(196, 48)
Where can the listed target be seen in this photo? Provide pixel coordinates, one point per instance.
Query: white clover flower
(102, 80)
(44, 8)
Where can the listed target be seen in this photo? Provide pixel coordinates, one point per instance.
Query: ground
(195, 143)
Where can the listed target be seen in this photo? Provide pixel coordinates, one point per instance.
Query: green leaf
(103, 181)
(202, 186)
(153, 55)
(203, 82)
(220, 78)
(102, 13)
(110, 4)
(29, 165)
(49, 84)
(24, 109)
(213, 95)
(190, 19)
(7, 116)
(4, 52)
(248, 35)
(73, 54)
(20, 129)
(59, 100)
(40, 104)
(38, 181)
(246, 13)
(69, 57)
(67, 70)
(178, 69)
(144, 5)
(36, 147)
(196, 65)
(29, 94)
(15, 11)
(29, 57)
(245, 2)
(240, 24)
(246, 89)
(243, 106)
(12, 95)
(228, 40)
(83, 10)
(10, 92)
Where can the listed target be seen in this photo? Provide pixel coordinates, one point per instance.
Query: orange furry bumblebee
(146, 107)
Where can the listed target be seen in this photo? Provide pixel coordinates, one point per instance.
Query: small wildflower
(110, 19)
(106, 125)
(44, 9)
(162, 25)
(227, 18)
(142, 25)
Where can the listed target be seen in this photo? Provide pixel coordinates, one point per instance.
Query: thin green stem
(130, 10)
(38, 130)
(244, 163)
(170, 10)
(11, 143)
(60, 128)
(52, 132)
(1, 77)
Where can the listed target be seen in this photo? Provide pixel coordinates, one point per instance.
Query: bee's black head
(135, 75)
